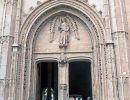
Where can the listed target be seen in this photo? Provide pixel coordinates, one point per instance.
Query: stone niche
(43, 44)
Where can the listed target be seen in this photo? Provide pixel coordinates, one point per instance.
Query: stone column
(120, 32)
(111, 90)
(13, 73)
(63, 78)
(5, 62)
(6, 39)
(122, 65)
(15, 89)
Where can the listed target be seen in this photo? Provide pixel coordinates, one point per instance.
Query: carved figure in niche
(65, 26)
(64, 33)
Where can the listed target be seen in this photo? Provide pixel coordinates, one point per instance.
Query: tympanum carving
(65, 26)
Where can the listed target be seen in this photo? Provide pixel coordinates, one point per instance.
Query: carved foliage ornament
(64, 26)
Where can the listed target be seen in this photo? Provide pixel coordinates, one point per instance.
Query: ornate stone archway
(87, 18)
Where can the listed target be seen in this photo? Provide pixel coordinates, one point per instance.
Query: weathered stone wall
(28, 6)
(1, 13)
(32, 4)
(127, 4)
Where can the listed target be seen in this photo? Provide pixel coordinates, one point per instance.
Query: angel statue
(66, 27)
(64, 33)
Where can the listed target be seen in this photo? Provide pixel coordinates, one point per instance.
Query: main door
(78, 77)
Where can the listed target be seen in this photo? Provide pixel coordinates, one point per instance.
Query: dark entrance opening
(80, 82)
(47, 83)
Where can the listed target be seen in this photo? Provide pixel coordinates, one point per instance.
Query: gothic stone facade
(64, 31)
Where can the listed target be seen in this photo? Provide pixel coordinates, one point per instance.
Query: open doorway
(80, 82)
(47, 81)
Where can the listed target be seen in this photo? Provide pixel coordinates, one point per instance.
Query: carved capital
(63, 86)
(15, 47)
(62, 59)
(4, 39)
(109, 43)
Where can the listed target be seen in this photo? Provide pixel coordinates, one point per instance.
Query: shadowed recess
(80, 82)
(47, 81)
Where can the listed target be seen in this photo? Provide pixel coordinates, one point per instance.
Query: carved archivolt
(64, 24)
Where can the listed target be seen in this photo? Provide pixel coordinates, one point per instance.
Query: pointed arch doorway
(35, 45)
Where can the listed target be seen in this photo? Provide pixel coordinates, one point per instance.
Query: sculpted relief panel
(66, 26)
(63, 32)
